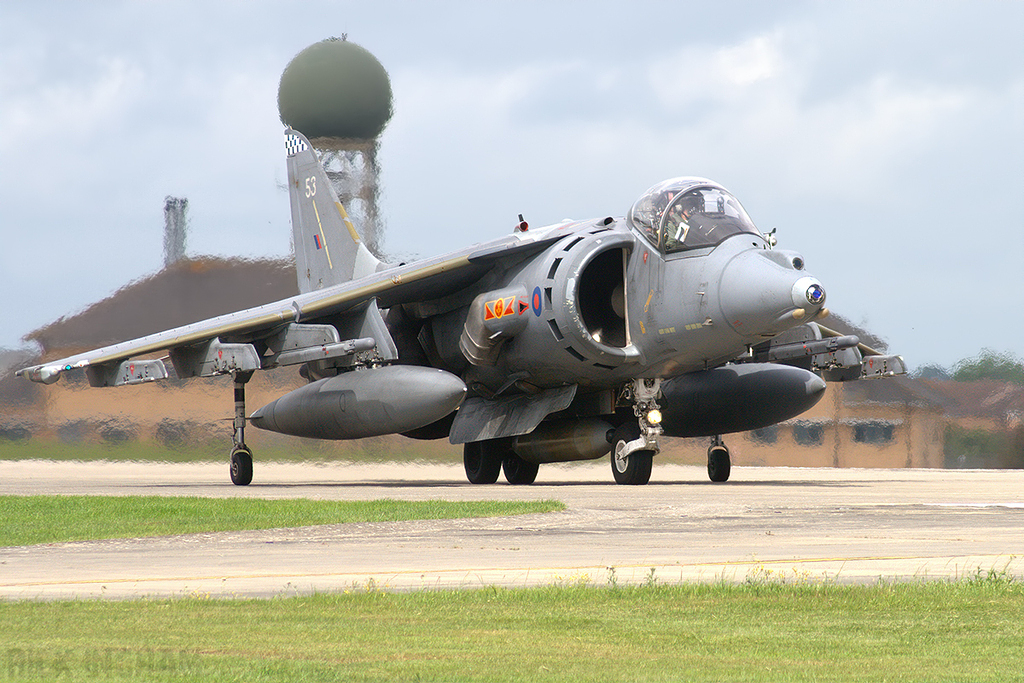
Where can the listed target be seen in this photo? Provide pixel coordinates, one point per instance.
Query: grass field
(972, 630)
(52, 519)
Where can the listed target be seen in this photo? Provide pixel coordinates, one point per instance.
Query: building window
(768, 435)
(809, 434)
(873, 432)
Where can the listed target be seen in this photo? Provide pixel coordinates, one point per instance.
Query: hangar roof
(185, 292)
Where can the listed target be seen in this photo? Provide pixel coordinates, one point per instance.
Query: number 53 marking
(310, 186)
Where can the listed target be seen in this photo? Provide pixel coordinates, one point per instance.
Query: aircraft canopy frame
(681, 214)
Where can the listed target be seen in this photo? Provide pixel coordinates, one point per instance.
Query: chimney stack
(175, 227)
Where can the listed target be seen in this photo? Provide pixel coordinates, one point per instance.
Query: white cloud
(704, 73)
(752, 104)
(478, 101)
(37, 108)
(870, 130)
(755, 60)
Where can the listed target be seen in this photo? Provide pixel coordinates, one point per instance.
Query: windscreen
(678, 215)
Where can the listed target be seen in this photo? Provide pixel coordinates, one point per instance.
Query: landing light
(654, 417)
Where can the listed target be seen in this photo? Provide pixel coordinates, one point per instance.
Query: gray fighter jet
(552, 344)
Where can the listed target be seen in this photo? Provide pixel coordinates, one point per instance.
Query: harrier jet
(566, 342)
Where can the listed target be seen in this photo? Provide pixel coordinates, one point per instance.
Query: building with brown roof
(184, 292)
(187, 291)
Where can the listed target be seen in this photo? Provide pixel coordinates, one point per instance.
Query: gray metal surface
(479, 419)
(354, 405)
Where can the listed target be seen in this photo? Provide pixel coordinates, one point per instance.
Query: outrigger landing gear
(241, 456)
(634, 444)
(719, 465)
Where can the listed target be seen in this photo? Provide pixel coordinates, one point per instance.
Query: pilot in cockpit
(688, 213)
(677, 222)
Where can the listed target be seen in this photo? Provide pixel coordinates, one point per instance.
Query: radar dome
(335, 88)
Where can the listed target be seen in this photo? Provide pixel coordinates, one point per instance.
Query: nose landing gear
(719, 465)
(634, 444)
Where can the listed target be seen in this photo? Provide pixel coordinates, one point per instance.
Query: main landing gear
(482, 461)
(719, 465)
(485, 460)
(241, 456)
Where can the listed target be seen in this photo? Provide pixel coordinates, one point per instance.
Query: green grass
(965, 631)
(52, 519)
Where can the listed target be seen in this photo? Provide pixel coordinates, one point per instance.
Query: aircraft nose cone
(761, 293)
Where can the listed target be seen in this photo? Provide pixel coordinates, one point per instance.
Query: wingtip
(43, 374)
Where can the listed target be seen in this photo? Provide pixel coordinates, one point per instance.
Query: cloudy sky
(884, 140)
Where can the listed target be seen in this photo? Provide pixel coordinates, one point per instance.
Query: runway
(850, 526)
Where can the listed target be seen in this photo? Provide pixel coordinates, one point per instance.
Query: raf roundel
(538, 306)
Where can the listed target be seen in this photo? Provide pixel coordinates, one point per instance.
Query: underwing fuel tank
(362, 403)
(736, 398)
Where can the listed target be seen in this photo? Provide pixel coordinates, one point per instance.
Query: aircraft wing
(224, 344)
(859, 361)
(338, 279)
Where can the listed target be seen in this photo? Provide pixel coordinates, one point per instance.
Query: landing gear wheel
(719, 465)
(483, 463)
(633, 469)
(519, 471)
(241, 467)
(241, 457)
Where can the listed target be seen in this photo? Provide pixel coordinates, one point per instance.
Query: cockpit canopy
(689, 213)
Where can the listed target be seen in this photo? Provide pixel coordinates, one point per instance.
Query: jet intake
(736, 398)
(565, 441)
(361, 403)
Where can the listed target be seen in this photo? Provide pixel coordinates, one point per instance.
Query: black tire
(719, 464)
(635, 469)
(483, 464)
(241, 467)
(519, 471)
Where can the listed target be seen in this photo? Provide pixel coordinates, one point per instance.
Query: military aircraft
(566, 342)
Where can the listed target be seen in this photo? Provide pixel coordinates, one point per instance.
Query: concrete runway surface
(765, 524)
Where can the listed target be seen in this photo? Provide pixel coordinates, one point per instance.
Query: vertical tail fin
(328, 250)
